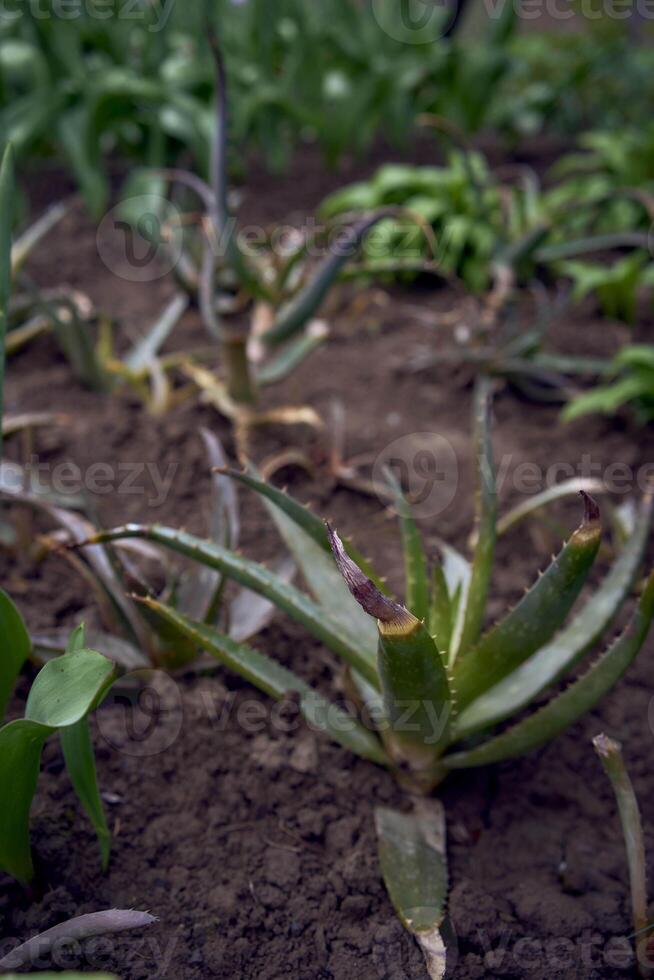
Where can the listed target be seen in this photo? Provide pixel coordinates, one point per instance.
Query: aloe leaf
(78, 929)
(581, 696)
(547, 665)
(293, 354)
(16, 648)
(146, 350)
(474, 600)
(415, 562)
(440, 617)
(415, 685)
(200, 588)
(533, 504)
(536, 618)
(64, 691)
(77, 747)
(276, 681)
(7, 197)
(249, 613)
(325, 582)
(413, 859)
(253, 576)
(303, 517)
(305, 305)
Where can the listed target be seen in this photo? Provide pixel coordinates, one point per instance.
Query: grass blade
(146, 350)
(581, 696)
(610, 755)
(536, 618)
(546, 666)
(253, 576)
(276, 681)
(7, 197)
(474, 600)
(413, 863)
(415, 562)
(16, 648)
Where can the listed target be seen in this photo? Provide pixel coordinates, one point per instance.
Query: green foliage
(63, 694)
(458, 682)
(633, 385)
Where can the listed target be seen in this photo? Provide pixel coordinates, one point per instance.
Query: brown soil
(247, 835)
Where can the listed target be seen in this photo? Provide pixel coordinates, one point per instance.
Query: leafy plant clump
(631, 383)
(430, 684)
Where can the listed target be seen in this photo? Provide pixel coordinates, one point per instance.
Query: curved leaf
(547, 665)
(253, 576)
(582, 695)
(535, 619)
(276, 681)
(415, 562)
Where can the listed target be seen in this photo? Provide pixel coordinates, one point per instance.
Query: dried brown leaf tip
(591, 508)
(364, 591)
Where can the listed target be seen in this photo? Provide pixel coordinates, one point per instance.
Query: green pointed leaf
(7, 197)
(441, 612)
(474, 599)
(413, 863)
(301, 515)
(77, 747)
(253, 576)
(65, 690)
(536, 618)
(552, 661)
(305, 305)
(415, 562)
(569, 488)
(276, 681)
(580, 697)
(15, 649)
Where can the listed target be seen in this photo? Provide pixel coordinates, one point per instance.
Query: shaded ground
(254, 844)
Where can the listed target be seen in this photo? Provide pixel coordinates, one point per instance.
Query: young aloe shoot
(610, 755)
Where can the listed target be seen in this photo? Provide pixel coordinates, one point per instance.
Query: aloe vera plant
(435, 681)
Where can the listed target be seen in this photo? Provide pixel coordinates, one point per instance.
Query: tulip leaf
(64, 692)
(16, 648)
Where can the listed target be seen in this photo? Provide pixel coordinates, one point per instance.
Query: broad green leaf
(415, 562)
(15, 648)
(64, 691)
(256, 577)
(7, 197)
(276, 681)
(413, 863)
(474, 599)
(536, 618)
(302, 516)
(580, 697)
(552, 661)
(77, 747)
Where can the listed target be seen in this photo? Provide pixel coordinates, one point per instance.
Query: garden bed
(250, 837)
